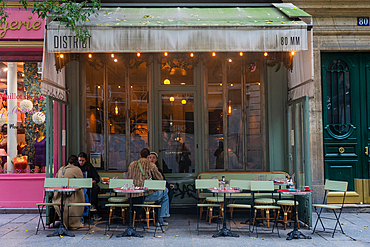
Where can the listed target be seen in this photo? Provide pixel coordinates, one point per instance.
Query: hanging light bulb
(191, 54)
(115, 60)
(241, 54)
(292, 53)
(138, 54)
(116, 110)
(112, 55)
(265, 54)
(213, 54)
(90, 55)
(166, 82)
(172, 99)
(183, 102)
(61, 56)
(166, 54)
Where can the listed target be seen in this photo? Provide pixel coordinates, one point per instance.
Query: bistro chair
(49, 182)
(83, 183)
(118, 201)
(264, 186)
(331, 185)
(147, 206)
(243, 185)
(200, 185)
(287, 206)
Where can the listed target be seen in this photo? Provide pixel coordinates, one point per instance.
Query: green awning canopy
(275, 28)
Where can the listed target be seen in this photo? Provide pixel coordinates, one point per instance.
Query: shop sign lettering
(17, 25)
(69, 42)
(22, 24)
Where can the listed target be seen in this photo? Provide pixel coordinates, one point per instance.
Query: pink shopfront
(31, 125)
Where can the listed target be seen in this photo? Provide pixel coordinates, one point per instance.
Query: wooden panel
(342, 171)
(332, 150)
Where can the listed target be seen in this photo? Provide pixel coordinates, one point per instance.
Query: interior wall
(277, 94)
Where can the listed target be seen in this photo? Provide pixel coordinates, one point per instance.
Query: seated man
(91, 172)
(151, 172)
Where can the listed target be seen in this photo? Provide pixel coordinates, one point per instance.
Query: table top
(224, 190)
(296, 191)
(62, 189)
(121, 190)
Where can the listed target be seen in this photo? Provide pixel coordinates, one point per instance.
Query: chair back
(55, 182)
(205, 183)
(333, 185)
(242, 184)
(115, 183)
(262, 186)
(81, 182)
(155, 184)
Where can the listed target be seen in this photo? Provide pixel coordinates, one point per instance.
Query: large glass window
(215, 116)
(177, 69)
(138, 109)
(116, 114)
(95, 106)
(234, 114)
(253, 115)
(22, 119)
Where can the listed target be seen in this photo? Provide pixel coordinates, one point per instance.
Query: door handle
(367, 150)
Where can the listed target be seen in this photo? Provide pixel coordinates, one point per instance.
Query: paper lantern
(38, 117)
(26, 105)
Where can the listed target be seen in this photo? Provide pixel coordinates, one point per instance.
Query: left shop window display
(22, 119)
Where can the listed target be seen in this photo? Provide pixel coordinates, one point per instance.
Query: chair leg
(110, 215)
(40, 219)
(133, 221)
(153, 211)
(147, 214)
(317, 220)
(123, 215)
(268, 218)
(296, 215)
(210, 215)
(200, 212)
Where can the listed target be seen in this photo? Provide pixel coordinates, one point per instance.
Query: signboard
(95, 159)
(22, 24)
(362, 21)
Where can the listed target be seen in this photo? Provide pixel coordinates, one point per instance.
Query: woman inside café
(70, 170)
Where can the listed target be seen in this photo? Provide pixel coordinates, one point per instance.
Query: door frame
(157, 117)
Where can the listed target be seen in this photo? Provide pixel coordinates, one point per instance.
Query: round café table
(224, 231)
(297, 192)
(130, 231)
(61, 231)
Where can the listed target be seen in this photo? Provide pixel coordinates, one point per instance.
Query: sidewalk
(19, 230)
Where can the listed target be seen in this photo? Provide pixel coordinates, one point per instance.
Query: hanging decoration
(26, 105)
(39, 117)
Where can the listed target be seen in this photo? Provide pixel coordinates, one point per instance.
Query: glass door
(177, 132)
(299, 153)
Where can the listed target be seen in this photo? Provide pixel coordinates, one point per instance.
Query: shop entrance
(177, 131)
(345, 79)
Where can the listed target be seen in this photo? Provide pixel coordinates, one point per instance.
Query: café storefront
(208, 89)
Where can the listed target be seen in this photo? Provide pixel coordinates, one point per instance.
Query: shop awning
(278, 27)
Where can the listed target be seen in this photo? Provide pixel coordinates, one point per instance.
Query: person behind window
(70, 170)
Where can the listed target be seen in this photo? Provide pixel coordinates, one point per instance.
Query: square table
(130, 231)
(61, 231)
(224, 231)
(296, 233)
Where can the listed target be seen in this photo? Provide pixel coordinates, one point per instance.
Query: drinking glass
(221, 187)
(227, 187)
(132, 186)
(125, 186)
